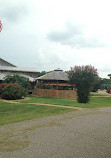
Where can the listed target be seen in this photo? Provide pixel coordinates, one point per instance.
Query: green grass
(95, 102)
(10, 113)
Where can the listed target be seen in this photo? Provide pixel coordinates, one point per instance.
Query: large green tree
(84, 77)
(15, 78)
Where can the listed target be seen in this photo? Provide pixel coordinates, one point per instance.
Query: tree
(97, 84)
(42, 73)
(84, 77)
(15, 78)
(105, 83)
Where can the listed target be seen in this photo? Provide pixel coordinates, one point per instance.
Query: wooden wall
(55, 93)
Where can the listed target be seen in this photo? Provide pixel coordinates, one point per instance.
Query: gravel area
(79, 134)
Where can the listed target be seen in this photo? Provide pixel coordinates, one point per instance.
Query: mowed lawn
(96, 101)
(10, 112)
(24, 110)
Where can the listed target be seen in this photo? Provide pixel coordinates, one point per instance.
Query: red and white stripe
(0, 26)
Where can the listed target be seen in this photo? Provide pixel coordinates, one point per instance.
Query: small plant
(12, 91)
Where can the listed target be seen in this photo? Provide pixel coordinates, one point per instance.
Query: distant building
(55, 84)
(57, 79)
(8, 68)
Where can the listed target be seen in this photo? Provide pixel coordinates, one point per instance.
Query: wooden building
(55, 84)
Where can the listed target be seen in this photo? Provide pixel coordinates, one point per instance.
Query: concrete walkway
(79, 134)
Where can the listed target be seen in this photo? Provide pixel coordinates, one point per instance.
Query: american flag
(0, 26)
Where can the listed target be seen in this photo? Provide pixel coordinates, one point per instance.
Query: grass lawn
(96, 101)
(10, 113)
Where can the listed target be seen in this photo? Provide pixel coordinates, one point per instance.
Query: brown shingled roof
(55, 75)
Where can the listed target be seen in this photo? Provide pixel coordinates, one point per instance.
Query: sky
(49, 34)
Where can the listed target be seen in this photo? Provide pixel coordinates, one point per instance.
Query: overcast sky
(50, 34)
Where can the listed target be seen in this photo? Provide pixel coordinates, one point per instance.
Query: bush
(15, 78)
(84, 77)
(108, 90)
(2, 85)
(12, 91)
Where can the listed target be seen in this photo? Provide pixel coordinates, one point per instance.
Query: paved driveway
(80, 134)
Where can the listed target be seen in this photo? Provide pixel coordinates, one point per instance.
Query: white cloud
(79, 33)
(74, 36)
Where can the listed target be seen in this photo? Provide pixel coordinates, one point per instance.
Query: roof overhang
(18, 69)
(2, 76)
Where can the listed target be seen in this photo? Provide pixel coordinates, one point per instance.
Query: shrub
(15, 78)
(2, 85)
(108, 90)
(84, 77)
(12, 91)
